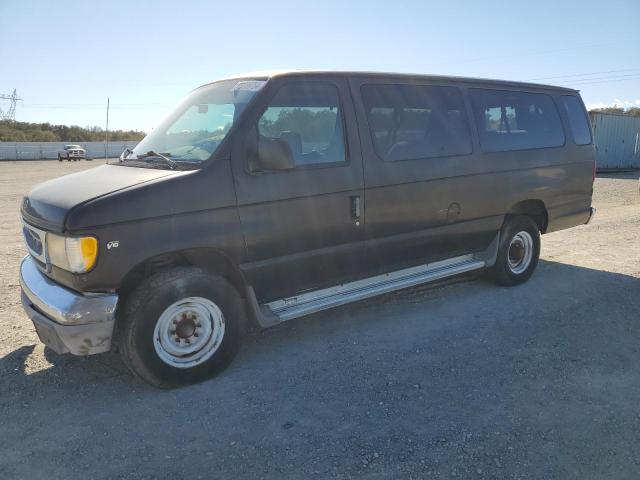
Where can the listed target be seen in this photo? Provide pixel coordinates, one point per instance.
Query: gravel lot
(463, 380)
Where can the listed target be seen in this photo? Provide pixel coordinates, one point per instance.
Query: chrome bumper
(67, 321)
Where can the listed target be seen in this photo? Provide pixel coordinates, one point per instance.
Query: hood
(48, 203)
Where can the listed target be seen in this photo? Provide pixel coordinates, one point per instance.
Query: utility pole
(106, 133)
(11, 113)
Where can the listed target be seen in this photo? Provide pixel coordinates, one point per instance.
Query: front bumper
(67, 321)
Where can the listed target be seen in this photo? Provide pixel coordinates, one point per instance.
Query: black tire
(508, 273)
(59, 158)
(143, 308)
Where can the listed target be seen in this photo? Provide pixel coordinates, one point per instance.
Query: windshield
(196, 128)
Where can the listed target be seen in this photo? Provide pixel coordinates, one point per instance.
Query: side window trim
(314, 166)
(470, 126)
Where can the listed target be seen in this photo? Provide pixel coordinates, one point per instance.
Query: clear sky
(66, 57)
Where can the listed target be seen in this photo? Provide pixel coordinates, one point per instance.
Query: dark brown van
(264, 198)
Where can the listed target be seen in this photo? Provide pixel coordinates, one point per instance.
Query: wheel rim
(189, 332)
(520, 252)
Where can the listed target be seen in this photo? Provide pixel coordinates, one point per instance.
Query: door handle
(355, 208)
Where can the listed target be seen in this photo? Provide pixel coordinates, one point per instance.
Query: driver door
(303, 227)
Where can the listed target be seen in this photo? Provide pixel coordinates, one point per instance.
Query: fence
(49, 150)
(617, 139)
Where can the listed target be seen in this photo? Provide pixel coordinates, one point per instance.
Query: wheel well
(535, 209)
(208, 259)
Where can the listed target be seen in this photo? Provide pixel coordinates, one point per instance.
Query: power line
(95, 105)
(582, 74)
(529, 54)
(607, 77)
(599, 81)
(577, 79)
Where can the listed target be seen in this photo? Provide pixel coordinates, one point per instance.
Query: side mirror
(274, 154)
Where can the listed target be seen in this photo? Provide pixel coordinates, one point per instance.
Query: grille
(35, 241)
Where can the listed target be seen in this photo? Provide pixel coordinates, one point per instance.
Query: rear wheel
(518, 251)
(181, 326)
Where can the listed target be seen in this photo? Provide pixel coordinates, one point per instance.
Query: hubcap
(186, 327)
(520, 252)
(188, 332)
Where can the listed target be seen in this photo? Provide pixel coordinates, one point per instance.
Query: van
(263, 198)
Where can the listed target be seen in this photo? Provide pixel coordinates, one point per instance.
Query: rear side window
(416, 121)
(509, 120)
(577, 120)
(307, 116)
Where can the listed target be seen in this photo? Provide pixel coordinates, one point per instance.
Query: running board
(311, 302)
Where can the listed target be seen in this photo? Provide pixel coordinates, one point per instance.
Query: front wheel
(518, 251)
(181, 326)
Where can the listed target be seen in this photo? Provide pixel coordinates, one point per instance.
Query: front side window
(578, 120)
(416, 121)
(509, 120)
(193, 132)
(308, 118)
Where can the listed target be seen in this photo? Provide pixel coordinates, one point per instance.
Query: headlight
(75, 254)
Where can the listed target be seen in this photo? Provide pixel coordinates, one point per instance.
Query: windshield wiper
(147, 157)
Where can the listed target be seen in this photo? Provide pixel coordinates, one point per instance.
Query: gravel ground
(465, 380)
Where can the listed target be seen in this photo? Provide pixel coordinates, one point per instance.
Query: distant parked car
(72, 152)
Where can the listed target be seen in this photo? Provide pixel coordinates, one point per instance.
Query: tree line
(45, 132)
(633, 111)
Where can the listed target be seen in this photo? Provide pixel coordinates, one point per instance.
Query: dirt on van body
(466, 380)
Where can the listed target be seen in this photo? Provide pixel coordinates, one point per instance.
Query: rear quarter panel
(562, 178)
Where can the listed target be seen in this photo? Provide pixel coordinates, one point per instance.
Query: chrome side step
(311, 302)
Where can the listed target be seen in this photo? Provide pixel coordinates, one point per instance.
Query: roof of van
(266, 74)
